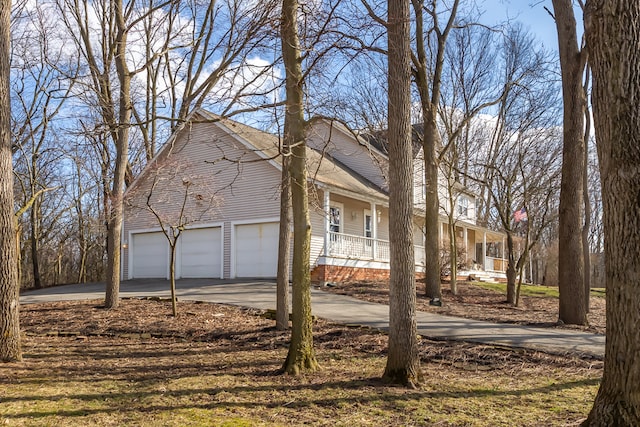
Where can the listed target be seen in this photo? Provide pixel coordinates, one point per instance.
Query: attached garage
(201, 253)
(256, 250)
(149, 256)
(198, 254)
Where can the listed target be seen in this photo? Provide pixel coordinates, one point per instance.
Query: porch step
(485, 276)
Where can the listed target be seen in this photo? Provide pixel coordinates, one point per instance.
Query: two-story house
(218, 182)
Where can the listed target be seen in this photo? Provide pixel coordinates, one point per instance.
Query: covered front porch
(366, 248)
(481, 252)
(351, 240)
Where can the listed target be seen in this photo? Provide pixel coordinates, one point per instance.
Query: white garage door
(256, 250)
(200, 253)
(150, 255)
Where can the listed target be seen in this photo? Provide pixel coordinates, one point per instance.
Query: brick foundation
(332, 273)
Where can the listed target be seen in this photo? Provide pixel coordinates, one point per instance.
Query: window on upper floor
(463, 206)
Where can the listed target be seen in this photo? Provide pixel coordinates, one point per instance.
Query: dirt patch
(143, 320)
(475, 302)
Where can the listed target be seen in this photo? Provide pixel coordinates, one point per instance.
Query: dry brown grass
(219, 365)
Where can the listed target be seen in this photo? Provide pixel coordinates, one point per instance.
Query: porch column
(466, 244)
(327, 221)
(504, 266)
(374, 231)
(484, 250)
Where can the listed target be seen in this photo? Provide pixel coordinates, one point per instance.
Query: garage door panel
(200, 253)
(150, 255)
(256, 250)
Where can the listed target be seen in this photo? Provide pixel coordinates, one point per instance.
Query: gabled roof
(380, 140)
(322, 169)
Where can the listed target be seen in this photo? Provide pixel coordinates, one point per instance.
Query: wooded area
(497, 96)
(91, 90)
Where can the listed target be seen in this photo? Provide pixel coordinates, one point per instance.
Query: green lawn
(535, 290)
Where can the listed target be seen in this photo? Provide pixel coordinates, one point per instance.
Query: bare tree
(91, 154)
(170, 184)
(114, 101)
(586, 198)
(200, 55)
(284, 245)
(10, 349)
(472, 87)
(571, 253)
(148, 66)
(428, 77)
(524, 192)
(301, 355)
(403, 361)
(519, 163)
(39, 92)
(614, 56)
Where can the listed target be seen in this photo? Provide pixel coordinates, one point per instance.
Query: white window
(368, 224)
(334, 219)
(463, 206)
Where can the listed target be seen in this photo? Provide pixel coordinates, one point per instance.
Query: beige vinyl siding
(334, 139)
(317, 216)
(219, 168)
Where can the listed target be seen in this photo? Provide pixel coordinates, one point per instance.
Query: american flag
(520, 215)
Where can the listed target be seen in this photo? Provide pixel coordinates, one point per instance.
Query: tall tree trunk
(82, 268)
(586, 249)
(82, 239)
(284, 246)
(172, 275)
(403, 362)
(122, 157)
(301, 356)
(35, 235)
(9, 288)
(512, 271)
(432, 203)
(570, 259)
(428, 82)
(614, 55)
(453, 255)
(114, 229)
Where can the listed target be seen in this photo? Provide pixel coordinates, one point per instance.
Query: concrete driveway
(338, 308)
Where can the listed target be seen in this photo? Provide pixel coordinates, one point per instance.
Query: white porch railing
(495, 264)
(351, 246)
(360, 247)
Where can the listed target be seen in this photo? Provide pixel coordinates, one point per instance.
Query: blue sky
(530, 12)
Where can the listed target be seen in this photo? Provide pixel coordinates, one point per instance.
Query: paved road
(342, 309)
